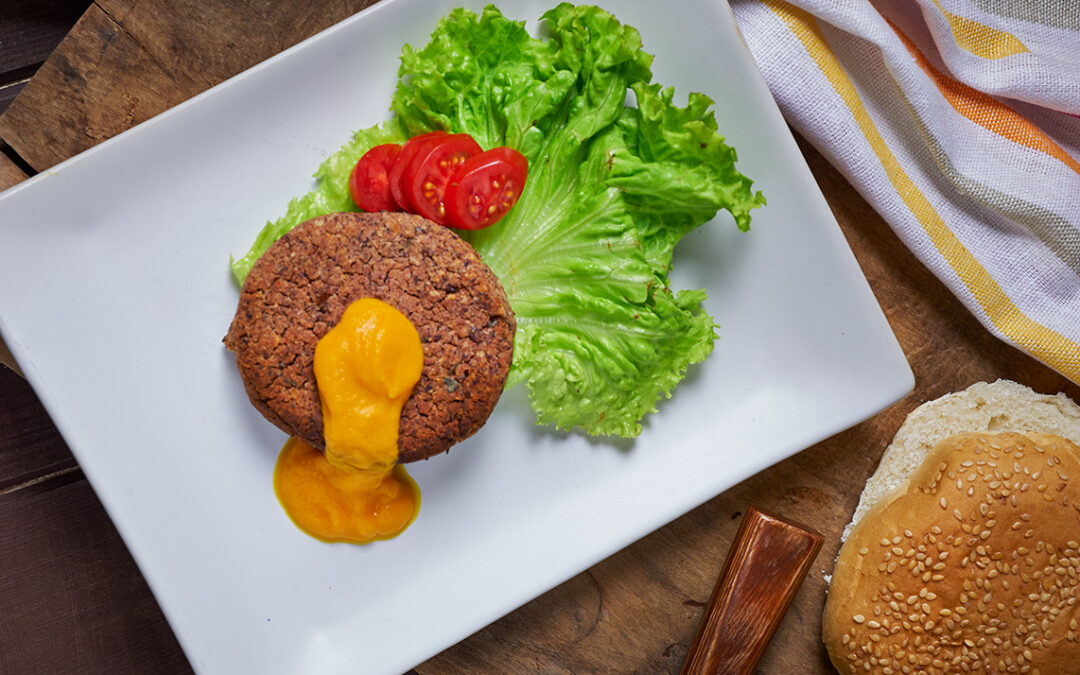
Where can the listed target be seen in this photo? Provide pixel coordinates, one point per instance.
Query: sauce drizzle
(366, 367)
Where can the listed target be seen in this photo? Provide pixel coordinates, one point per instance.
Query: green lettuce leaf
(585, 254)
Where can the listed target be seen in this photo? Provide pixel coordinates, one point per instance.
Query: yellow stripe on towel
(980, 39)
(1053, 348)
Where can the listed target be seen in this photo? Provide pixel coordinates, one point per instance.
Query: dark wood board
(30, 31)
(67, 572)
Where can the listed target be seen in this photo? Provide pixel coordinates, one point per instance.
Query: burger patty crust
(299, 289)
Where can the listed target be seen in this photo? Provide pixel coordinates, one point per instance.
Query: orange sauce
(366, 366)
(335, 503)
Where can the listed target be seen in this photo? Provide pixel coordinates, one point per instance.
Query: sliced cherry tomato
(404, 159)
(369, 182)
(486, 186)
(426, 178)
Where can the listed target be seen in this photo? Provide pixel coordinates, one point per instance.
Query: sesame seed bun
(965, 553)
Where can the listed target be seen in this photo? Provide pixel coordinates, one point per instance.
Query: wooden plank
(30, 446)
(8, 92)
(30, 30)
(203, 43)
(125, 62)
(10, 173)
(73, 600)
(69, 106)
(7, 360)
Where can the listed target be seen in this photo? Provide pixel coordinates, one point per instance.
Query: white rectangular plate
(116, 296)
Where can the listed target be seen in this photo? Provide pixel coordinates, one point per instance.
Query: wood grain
(10, 173)
(67, 573)
(82, 607)
(30, 447)
(125, 62)
(763, 571)
(70, 105)
(30, 31)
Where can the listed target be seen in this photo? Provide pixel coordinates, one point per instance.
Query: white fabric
(959, 121)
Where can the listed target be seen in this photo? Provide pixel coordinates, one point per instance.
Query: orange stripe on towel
(986, 111)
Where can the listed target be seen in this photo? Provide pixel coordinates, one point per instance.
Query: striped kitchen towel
(959, 121)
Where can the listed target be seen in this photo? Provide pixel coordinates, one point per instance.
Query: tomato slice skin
(485, 188)
(401, 164)
(431, 170)
(369, 182)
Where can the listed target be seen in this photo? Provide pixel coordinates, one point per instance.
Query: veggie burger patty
(299, 289)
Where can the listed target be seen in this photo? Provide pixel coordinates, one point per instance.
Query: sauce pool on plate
(356, 491)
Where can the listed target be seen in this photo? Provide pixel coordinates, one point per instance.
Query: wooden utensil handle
(764, 569)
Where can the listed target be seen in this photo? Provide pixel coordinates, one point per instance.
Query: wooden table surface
(72, 599)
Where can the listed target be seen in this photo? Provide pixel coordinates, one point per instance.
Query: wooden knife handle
(764, 569)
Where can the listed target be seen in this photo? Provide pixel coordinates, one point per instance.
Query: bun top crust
(992, 407)
(972, 565)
